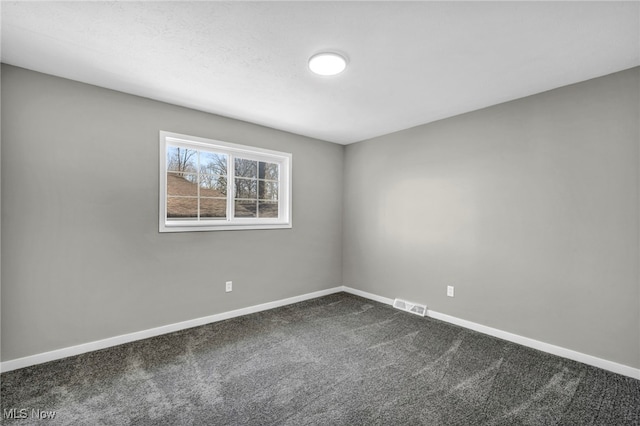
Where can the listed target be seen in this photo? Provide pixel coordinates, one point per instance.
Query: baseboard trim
(615, 367)
(157, 331)
(41, 358)
(367, 295)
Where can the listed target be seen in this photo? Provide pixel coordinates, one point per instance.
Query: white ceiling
(409, 62)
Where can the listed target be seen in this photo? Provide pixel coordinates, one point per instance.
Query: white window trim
(231, 149)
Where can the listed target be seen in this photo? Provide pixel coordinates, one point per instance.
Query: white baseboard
(369, 296)
(41, 358)
(144, 334)
(615, 367)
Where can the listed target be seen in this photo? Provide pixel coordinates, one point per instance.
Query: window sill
(225, 227)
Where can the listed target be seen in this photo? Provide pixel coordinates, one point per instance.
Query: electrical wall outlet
(229, 286)
(450, 290)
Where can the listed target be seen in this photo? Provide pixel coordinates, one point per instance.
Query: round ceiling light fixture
(327, 63)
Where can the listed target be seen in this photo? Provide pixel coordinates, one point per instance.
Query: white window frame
(232, 151)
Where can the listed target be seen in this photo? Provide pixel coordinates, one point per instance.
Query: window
(208, 185)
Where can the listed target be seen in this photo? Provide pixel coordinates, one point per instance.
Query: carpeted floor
(336, 360)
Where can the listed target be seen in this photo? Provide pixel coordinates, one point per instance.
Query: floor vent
(414, 308)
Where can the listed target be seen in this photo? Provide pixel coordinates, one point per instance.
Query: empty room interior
(320, 213)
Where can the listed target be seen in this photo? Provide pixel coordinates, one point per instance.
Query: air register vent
(414, 308)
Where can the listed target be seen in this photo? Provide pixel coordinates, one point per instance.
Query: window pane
(268, 171)
(212, 208)
(203, 177)
(181, 159)
(245, 208)
(246, 188)
(268, 209)
(246, 168)
(213, 163)
(213, 186)
(268, 190)
(183, 184)
(182, 208)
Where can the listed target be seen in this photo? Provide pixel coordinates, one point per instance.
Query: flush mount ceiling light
(327, 63)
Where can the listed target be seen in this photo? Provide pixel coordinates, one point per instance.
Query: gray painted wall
(528, 208)
(82, 258)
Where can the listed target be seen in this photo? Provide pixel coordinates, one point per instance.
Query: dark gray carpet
(336, 360)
